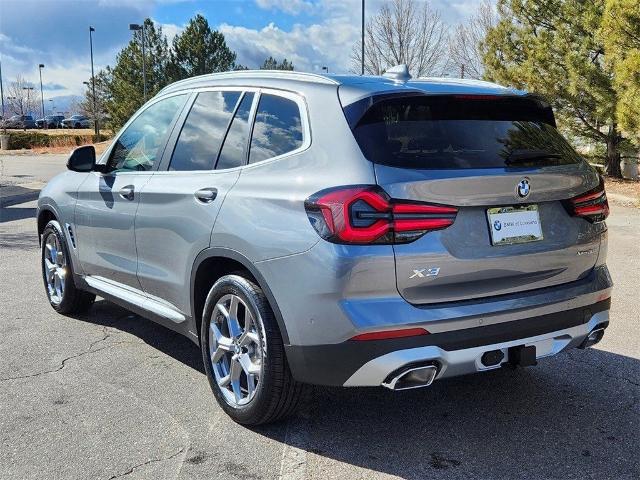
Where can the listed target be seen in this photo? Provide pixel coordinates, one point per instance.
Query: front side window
(277, 129)
(139, 145)
(233, 151)
(203, 131)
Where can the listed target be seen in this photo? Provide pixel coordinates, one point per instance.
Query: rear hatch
(502, 163)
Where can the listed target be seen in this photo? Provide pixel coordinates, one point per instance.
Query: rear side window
(203, 131)
(465, 131)
(277, 129)
(233, 150)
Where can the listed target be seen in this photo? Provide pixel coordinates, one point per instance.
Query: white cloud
(326, 42)
(309, 47)
(171, 30)
(324, 34)
(292, 7)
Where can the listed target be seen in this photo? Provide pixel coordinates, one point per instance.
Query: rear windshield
(458, 131)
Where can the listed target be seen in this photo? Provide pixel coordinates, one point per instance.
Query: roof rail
(399, 73)
(301, 76)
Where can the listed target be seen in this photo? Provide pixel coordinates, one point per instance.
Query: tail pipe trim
(411, 376)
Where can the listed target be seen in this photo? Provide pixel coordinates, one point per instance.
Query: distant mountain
(63, 104)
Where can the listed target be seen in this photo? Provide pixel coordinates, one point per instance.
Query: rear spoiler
(356, 110)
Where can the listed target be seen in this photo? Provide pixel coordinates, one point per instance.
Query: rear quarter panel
(263, 216)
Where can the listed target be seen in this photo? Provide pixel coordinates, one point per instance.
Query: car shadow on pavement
(12, 214)
(170, 343)
(574, 415)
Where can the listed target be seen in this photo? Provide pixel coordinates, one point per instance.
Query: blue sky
(311, 33)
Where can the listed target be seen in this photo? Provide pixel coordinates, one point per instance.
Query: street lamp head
(135, 26)
(41, 65)
(86, 83)
(91, 29)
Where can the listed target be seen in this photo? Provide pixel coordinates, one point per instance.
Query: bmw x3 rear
(386, 231)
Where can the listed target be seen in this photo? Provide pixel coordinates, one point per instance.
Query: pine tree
(621, 36)
(272, 64)
(126, 86)
(199, 50)
(549, 47)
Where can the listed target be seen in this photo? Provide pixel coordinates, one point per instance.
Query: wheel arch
(45, 215)
(213, 263)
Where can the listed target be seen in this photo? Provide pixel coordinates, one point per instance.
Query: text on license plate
(514, 224)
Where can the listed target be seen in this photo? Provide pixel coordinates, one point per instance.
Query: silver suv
(336, 230)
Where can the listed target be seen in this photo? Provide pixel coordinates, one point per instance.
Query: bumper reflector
(387, 334)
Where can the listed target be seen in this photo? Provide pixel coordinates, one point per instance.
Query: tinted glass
(138, 146)
(232, 154)
(461, 132)
(201, 136)
(277, 129)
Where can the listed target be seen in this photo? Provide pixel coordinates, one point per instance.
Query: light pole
(52, 106)
(135, 27)
(1, 90)
(40, 67)
(362, 42)
(96, 128)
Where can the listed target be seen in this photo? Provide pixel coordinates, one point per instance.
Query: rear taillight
(366, 214)
(592, 205)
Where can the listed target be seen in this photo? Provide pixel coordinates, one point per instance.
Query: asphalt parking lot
(110, 395)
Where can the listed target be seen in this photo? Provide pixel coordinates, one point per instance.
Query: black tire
(73, 299)
(277, 394)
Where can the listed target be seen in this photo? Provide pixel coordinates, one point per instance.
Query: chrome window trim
(304, 118)
(192, 100)
(192, 95)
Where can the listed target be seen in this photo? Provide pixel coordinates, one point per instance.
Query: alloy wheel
(237, 350)
(55, 268)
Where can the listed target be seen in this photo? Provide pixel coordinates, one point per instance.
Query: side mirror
(82, 159)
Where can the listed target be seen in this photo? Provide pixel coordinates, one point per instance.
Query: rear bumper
(456, 352)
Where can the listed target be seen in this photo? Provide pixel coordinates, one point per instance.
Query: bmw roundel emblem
(497, 225)
(523, 188)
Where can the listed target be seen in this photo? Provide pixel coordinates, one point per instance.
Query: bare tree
(466, 47)
(404, 32)
(21, 97)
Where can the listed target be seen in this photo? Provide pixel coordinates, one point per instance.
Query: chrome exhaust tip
(594, 337)
(411, 377)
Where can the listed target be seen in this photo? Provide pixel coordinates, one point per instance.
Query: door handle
(206, 195)
(127, 192)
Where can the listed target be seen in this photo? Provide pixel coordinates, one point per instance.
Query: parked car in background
(19, 121)
(50, 121)
(337, 230)
(76, 121)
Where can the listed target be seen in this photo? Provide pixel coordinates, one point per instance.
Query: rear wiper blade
(521, 156)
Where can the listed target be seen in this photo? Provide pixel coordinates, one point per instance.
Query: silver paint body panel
(143, 251)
